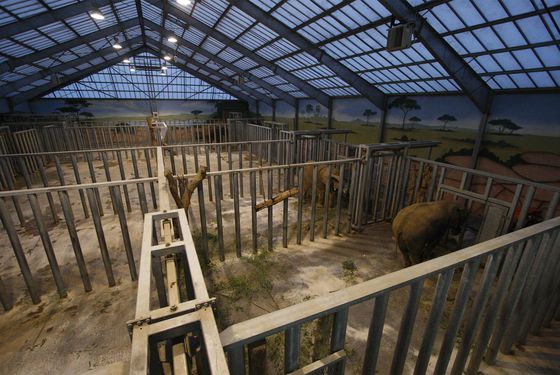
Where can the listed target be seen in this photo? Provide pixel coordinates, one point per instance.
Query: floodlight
(96, 14)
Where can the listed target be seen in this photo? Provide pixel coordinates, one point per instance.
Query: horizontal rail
(278, 321)
(477, 172)
(82, 186)
(271, 167)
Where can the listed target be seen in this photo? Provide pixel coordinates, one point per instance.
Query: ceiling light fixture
(96, 14)
(167, 57)
(132, 69)
(184, 2)
(172, 39)
(126, 61)
(116, 43)
(164, 66)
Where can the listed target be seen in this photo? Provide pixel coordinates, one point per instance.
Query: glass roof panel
(120, 82)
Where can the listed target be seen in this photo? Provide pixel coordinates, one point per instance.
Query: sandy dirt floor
(86, 332)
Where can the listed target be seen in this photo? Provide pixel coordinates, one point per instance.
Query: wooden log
(277, 198)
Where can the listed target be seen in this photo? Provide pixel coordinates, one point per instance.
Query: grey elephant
(419, 227)
(322, 178)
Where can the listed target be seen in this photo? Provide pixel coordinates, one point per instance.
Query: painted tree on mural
(309, 109)
(446, 119)
(415, 119)
(196, 112)
(503, 124)
(76, 106)
(367, 114)
(318, 110)
(406, 105)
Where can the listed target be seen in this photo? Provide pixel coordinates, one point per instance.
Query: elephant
(419, 227)
(322, 178)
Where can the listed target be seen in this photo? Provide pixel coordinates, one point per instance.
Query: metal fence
(513, 296)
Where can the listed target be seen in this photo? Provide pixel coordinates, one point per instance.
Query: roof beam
(210, 80)
(49, 87)
(365, 88)
(45, 18)
(11, 64)
(273, 89)
(16, 85)
(309, 89)
(256, 94)
(471, 83)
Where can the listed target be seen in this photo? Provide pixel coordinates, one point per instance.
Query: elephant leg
(405, 259)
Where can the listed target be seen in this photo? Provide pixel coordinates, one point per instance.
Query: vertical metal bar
(471, 325)
(139, 186)
(510, 263)
(236, 359)
(116, 196)
(313, 203)
(292, 348)
(78, 182)
(339, 200)
(19, 253)
(405, 331)
(546, 288)
(326, 201)
(512, 299)
(253, 191)
(94, 179)
(150, 174)
(15, 199)
(467, 280)
(202, 214)
(525, 311)
(207, 155)
(45, 180)
(270, 215)
(285, 211)
(74, 239)
(526, 205)
(300, 206)
(218, 202)
(438, 303)
(235, 180)
(338, 338)
(47, 244)
(375, 333)
(123, 177)
(100, 236)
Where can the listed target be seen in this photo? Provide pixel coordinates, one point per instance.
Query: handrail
(82, 186)
(488, 174)
(271, 167)
(47, 153)
(277, 321)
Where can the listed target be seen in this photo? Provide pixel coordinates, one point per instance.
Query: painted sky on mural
(130, 108)
(435, 106)
(353, 109)
(536, 114)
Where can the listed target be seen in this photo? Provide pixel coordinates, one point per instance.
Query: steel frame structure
(290, 53)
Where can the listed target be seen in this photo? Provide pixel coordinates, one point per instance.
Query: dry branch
(277, 199)
(185, 200)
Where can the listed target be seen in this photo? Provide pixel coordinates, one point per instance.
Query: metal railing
(513, 296)
(180, 334)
